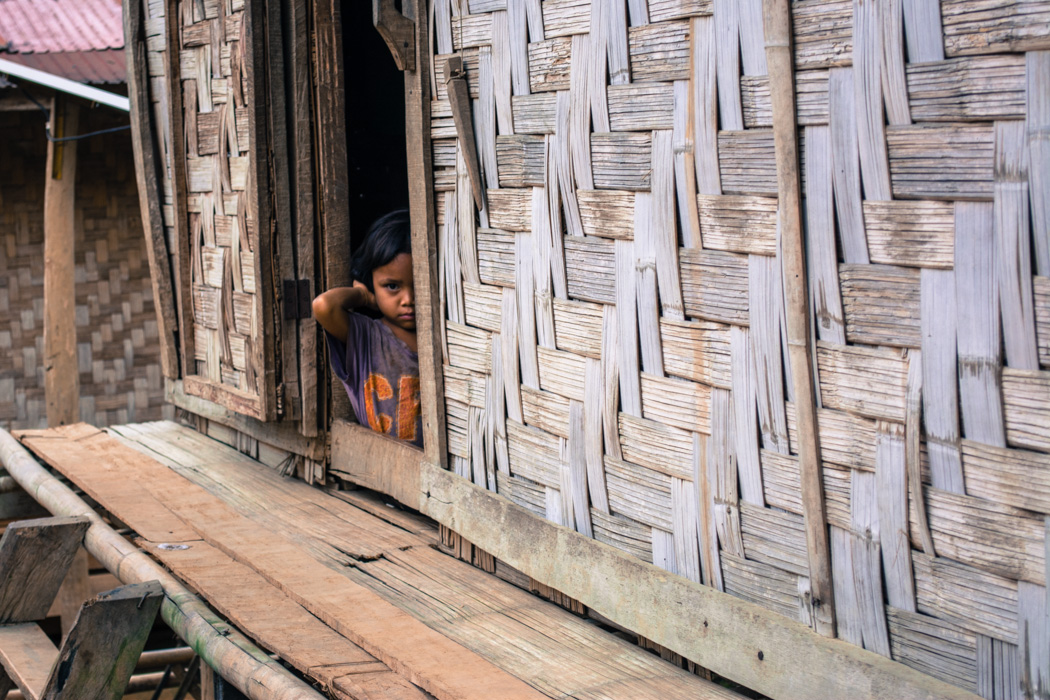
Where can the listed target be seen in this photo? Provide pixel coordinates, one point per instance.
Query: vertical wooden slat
(61, 376)
(627, 330)
(922, 30)
(745, 423)
(312, 393)
(146, 174)
(780, 59)
(177, 165)
(259, 190)
(429, 311)
(891, 488)
(820, 242)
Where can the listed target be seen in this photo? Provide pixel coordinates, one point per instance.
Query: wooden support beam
(429, 312)
(61, 377)
(737, 639)
(221, 646)
(27, 656)
(143, 145)
(34, 558)
(780, 60)
(459, 96)
(397, 31)
(99, 654)
(74, 591)
(176, 149)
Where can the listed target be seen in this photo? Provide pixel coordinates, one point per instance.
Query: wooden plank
(27, 656)
(61, 376)
(611, 577)
(34, 558)
(252, 603)
(144, 149)
(780, 60)
(311, 385)
(429, 311)
(278, 435)
(99, 655)
(421, 654)
(869, 381)
(911, 233)
(177, 180)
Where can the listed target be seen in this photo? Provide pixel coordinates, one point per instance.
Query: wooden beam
(99, 655)
(177, 151)
(220, 645)
(144, 144)
(333, 177)
(267, 212)
(284, 436)
(737, 639)
(27, 656)
(34, 558)
(397, 31)
(386, 465)
(429, 314)
(61, 376)
(780, 60)
(297, 49)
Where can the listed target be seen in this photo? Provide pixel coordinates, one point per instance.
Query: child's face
(395, 294)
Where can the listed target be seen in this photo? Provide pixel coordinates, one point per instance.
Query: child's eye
(393, 287)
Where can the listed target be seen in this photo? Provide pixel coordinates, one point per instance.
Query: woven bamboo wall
(615, 338)
(117, 352)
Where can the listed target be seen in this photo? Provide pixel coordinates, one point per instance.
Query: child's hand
(369, 297)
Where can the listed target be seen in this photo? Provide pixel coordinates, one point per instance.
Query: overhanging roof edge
(61, 84)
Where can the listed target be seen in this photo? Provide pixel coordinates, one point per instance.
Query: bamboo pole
(779, 57)
(218, 644)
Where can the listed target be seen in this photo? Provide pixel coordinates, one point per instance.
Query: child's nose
(409, 298)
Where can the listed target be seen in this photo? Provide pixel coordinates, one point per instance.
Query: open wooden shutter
(200, 89)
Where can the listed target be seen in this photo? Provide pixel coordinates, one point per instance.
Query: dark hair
(388, 237)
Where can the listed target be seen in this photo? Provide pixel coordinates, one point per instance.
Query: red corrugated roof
(81, 66)
(82, 40)
(35, 26)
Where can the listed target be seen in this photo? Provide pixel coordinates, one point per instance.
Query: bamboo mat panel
(118, 357)
(622, 367)
(231, 501)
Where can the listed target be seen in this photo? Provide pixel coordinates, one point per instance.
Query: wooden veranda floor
(350, 592)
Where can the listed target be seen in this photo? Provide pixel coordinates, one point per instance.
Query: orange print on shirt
(407, 407)
(377, 388)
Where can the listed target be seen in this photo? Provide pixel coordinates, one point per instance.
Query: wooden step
(27, 656)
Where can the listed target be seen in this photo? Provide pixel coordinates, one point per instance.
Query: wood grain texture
(34, 558)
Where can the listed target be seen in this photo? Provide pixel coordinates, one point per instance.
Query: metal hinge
(296, 299)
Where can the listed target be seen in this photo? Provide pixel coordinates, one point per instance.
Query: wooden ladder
(99, 653)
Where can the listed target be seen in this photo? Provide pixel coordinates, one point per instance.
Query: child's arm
(332, 308)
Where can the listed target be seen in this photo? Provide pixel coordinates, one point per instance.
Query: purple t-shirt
(381, 376)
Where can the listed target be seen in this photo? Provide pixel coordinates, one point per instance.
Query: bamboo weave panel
(621, 368)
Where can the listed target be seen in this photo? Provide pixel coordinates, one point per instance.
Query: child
(376, 358)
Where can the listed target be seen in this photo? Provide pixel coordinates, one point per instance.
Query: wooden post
(61, 379)
(779, 57)
(429, 313)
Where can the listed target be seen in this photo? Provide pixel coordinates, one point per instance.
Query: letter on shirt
(377, 388)
(407, 407)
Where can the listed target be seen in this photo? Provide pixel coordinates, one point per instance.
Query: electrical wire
(78, 137)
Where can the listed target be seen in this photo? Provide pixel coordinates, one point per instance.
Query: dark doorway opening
(375, 122)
